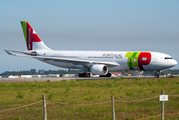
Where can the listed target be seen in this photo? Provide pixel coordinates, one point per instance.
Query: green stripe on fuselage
(135, 57)
(24, 28)
(132, 60)
(129, 60)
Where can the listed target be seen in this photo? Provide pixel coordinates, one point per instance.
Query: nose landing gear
(157, 73)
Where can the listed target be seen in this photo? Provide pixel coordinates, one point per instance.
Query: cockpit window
(168, 58)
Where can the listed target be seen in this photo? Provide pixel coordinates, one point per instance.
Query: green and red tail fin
(33, 41)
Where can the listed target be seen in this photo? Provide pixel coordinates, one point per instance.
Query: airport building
(70, 75)
(116, 74)
(31, 76)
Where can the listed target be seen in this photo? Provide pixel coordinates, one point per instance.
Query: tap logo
(138, 59)
(29, 39)
(29, 34)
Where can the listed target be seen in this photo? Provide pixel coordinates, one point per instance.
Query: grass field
(89, 91)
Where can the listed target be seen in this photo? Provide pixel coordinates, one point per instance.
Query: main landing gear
(84, 75)
(107, 75)
(89, 75)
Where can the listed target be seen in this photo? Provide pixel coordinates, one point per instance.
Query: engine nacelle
(135, 72)
(99, 69)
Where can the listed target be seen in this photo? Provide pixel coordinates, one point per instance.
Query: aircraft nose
(170, 63)
(174, 62)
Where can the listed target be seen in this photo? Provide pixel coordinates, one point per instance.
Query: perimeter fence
(124, 110)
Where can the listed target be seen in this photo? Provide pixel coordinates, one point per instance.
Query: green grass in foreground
(85, 92)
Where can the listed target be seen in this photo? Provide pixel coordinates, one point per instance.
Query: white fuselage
(158, 61)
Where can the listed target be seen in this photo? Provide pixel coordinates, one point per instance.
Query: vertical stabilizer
(33, 41)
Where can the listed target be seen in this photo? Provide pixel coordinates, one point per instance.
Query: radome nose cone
(174, 62)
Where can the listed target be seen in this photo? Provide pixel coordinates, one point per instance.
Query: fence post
(162, 118)
(44, 107)
(113, 110)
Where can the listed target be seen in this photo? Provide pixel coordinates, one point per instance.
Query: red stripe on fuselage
(144, 59)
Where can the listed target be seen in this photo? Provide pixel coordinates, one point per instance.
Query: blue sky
(89, 25)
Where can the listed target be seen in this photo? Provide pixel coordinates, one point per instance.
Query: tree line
(41, 72)
(76, 71)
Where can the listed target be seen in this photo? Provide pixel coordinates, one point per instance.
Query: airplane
(95, 62)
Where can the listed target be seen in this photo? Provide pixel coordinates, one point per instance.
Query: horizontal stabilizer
(9, 52)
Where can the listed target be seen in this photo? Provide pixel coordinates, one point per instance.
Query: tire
(107, 75)
(88, 74)
(80, 75)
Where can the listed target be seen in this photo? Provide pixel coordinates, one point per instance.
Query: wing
(85, 63)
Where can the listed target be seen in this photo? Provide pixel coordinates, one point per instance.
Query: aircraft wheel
(80, 75)
(157, 73)
(84, 74)
(88, 74)
(107, 75)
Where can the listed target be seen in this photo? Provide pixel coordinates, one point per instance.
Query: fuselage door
(155, 58)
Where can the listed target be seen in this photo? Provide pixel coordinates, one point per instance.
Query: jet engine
(135, 72)
(99, 69)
